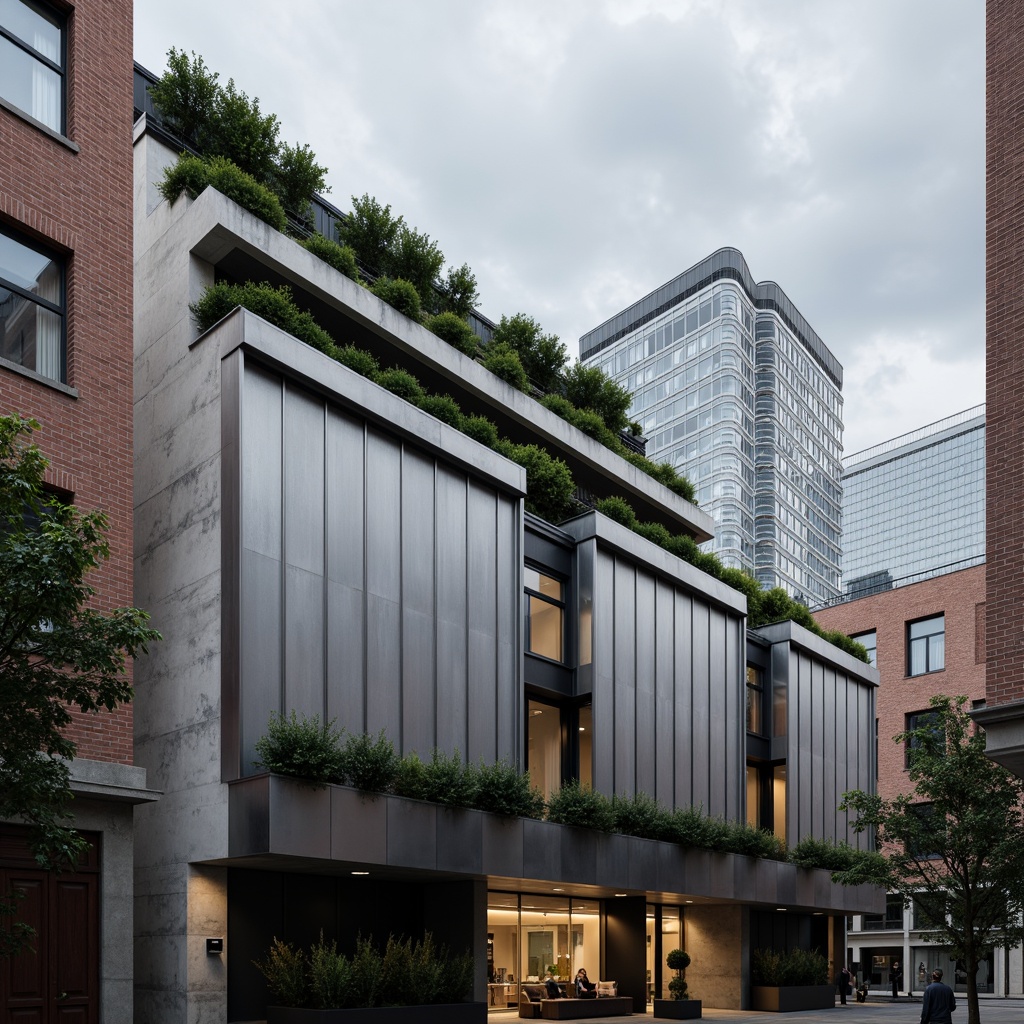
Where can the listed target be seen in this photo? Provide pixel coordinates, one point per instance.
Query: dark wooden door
(58, 981)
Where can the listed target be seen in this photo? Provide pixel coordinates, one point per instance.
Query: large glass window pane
(671, 938)
(753, 796)
(546, 939)
(30, 41)
(779, 801)
(544, 746)
(926, 645)
(545, 629)
(586, 734)
(755, 700)
(502, 951)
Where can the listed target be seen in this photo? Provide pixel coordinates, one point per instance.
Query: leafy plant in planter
(795, 967)
(582, 806)
(285, 971)
(303, 747)
(678, 960)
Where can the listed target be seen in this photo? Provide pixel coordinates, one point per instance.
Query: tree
(57, 653)
(589, 387)
(955, 844)
(543, 356)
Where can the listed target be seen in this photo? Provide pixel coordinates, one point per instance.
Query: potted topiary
(680, 1006)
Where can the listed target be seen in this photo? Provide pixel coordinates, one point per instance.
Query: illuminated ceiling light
(556, 889)
(360, 872)
(622, 894)
(689, 901)
(583, 728)
(782, 908)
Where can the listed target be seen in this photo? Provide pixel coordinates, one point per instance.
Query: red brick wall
(1005, 369)
(81, 204)
(957, 596)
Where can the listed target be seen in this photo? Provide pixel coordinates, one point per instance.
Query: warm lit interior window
(586, 733)
(545, 615)
(544, 746)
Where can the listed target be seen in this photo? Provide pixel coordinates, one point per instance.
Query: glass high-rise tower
(733, 387)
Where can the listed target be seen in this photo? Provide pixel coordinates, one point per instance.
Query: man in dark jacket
(939, 1002)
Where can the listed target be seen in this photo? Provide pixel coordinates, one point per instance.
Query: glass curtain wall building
(914, 506)
(733, 387)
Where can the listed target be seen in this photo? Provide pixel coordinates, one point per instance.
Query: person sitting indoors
(585, 988)
(554, 992)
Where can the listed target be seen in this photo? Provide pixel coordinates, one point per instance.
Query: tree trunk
(973, 1013)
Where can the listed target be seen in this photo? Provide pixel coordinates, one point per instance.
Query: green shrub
(549, 483)
(589, 387)
(341, 257)
(366, 974)
(640, 815)
(370, 764)
(685, 547)
(582, 806)
(591, 424)
(303, 747)
(296, 177)
(459, 293)
(796, 967)
(330, 976)
(617, 509)
(396, 975)
(677, 960)
(275, 305)
(820, 853)
(447, 779)
(502, 789)
(542, 355)
(481, 429)
(402, 383)
(654, 532)
(444, 408)
(690, 827)
(359, 360)
(401, 294)
(410, 778)
(453, 329)
(753, 842)
(192, 174)
(504, 362)
(560, 406)
(285, 971)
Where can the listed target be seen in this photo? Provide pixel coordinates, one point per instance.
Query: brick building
(1004, 248)
(66, 360)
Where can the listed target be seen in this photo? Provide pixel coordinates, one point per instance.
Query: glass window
(930, 721)
(755, 700)
(31, 306)
(926, 645)
(586, 733)
(32, 60)
(545, 615)
(544, 746)
(870, 642)
(928, 912)
(753, 796)
(892, 920)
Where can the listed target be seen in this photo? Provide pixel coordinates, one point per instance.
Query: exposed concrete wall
(718, 941)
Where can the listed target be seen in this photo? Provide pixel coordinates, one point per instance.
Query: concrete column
(718, 941)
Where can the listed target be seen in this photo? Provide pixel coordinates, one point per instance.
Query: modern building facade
(66, 360)
(307, 540)
(1003, 716)
(914, 507)
(734, 388)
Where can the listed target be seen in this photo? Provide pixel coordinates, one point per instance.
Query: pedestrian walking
(845, 983)
(939, 1002)
(896, 977)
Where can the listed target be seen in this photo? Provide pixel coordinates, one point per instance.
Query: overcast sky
(579, 153)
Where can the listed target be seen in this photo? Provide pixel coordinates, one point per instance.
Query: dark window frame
(928, 646)
(873, 649)
(60, 308)
(917, 720)
(755, 699)
(562, 605)
(60, 67)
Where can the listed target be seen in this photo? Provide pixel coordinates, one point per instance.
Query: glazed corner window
(545, 615)
(870, 642)
(32, 60)
(926, 646)
(31, 305)
(755, 700)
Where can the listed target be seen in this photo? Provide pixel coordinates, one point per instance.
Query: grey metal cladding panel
(666, 627)
(718, 714)
(383, 483)
(800, 690)
(303, 481)
(832, 752)
(700, 726)
(683, 713)
(459, 840)
(646, 712)
(261, 462)
(345, 494)
(625, 677)
(304, 642)
(261, 651)
(605, 725)
(735, 732)
(817, 777)
(482, 584)
(417, 537)
(346, 683)
(383, 666)
(542, 853)
(419, 698)
(483, 698)
(452, 681)
(508, 622)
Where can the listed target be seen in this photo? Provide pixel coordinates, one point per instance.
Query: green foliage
(369, 763)
(640, 815)
(242, 133)
(581, 806)
(396, 987)
(443, 408)
(543, 356)
(549, 483)
(964, 857)
(372, 232)
(795, 967)
(654, 532)
(452, 328)
(619, 510)
(821, 853)
(678, 960)
(59, 654)
(358, 360)
(303, 747)
(402, 383)
(341, 257)
(411, 778)
(753, 842)
(285, 970)
(589, 387)
(559, 405)
(186, 96)
(504, 362)
(459, 293)
(591, 424)
(690, 827)
(502, 789)
(447, 779)
(481, 429)
(417, 259)
(401, 294)
(366, 974)
(666, 474)
(275, 305)
(298, 177)
(845, 643)
(330, 976)
(192, 174)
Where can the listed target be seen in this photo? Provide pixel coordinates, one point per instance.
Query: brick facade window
(922, 720)
(926, 645)
(870, 642)
(32, 312)
(32, 57)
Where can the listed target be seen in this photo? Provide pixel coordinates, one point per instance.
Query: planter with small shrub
(787, 982)
(680, 1006)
